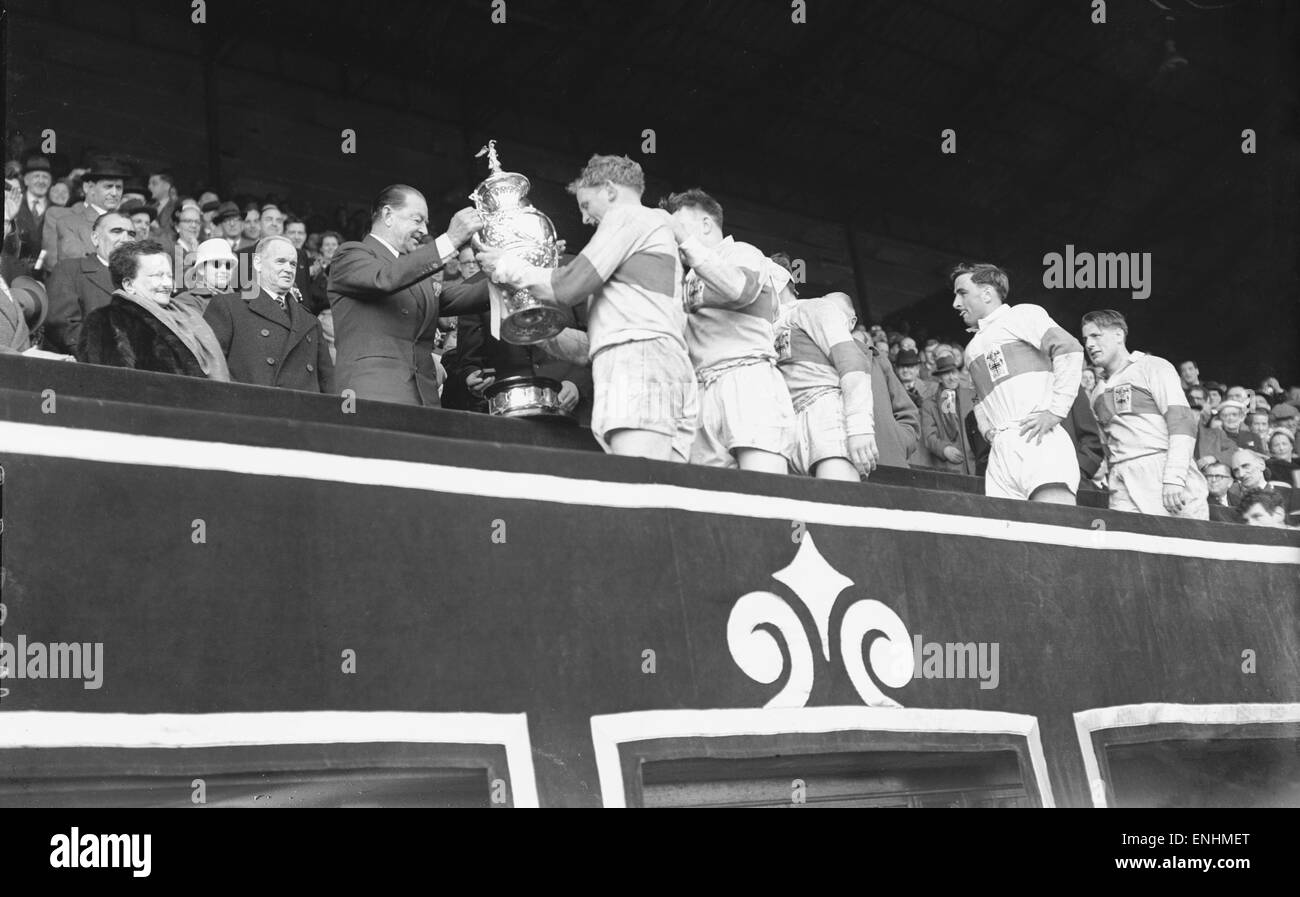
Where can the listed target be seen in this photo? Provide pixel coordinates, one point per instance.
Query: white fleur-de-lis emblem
(758, 617)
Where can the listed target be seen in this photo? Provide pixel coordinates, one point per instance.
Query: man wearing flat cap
(68, 231)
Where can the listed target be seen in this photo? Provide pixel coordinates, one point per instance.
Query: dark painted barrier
(277, 586)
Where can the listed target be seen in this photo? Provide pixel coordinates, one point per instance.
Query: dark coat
(1081, 424)
(898, 423)
(23, 244)
(76, 288)
(124, 335)
(386, 313)
(936, 427)
(265, 346)
(476, 349)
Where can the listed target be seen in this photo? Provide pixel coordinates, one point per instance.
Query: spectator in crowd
(252, 230)
(1088, 380)
(1271, 389)
(929, 361)
(1263, 507)
(296, 230)
(229, 224)
(1257, 422)
(1241, 394)
(211, 275)
(162, 187)
(268, 337)
(61, 193)
(208, 209)
(29, 220)
(142, 328)
(15, 327)
(897, 419)
(272, 220)
(908, 367)
(1285, 416)
(1196, 400)
(1218, 477)
(79, 286)
(318, 297)
(187, 223)
(1281, 464)
(386, 302)
(943, 418)
(142, 218)
(1232, 415)
(1249, 472)
(895, 346)
(1293, 396)
(67, 231)
(1189, 374)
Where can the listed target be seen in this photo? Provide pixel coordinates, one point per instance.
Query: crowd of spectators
(72, 242)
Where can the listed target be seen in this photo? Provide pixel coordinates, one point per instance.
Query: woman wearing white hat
(214, 264)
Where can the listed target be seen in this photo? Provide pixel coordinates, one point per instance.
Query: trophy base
(532, 325)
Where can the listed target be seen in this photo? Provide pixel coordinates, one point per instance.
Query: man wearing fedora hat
(67, 232)
(78, 286)
(229, 224)
(943, 419)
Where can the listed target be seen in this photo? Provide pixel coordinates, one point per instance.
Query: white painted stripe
(42, 729)
(610, 731)
(187, 454)
(1123, 716)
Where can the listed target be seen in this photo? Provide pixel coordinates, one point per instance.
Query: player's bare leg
(761, 460)
(1053, 494)
(836, 469)
(641, 444)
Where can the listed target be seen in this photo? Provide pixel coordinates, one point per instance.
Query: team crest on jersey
(783, 344)
(997, 365)
(1124, 398)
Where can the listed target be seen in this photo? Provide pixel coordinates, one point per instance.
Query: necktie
(280, 299)
(38, 206)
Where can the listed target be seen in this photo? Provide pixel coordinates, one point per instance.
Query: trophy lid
(500, 188)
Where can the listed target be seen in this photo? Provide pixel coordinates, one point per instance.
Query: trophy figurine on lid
(513, 224)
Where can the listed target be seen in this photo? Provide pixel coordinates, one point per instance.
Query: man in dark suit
(67, 231)
(386, 302)
(268, 337)
(24, 242)
(78, 286)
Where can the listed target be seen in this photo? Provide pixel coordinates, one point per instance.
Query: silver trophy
(513, 224)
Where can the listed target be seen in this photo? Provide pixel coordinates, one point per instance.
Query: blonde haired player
(829, 377)
(1149, 428)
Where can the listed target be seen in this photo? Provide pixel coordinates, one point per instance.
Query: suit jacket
(76, 288)
(66, 234)
(476, 348)
(266, 347)
(124, 335)
(23, 244)
(938, 429)
(14, 335)
(386, 313)
(898, 424)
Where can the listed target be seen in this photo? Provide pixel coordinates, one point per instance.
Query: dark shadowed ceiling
(1104, 136)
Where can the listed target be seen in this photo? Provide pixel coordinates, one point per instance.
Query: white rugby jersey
(716, 334)
(1142, 411)
(1022, 362)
